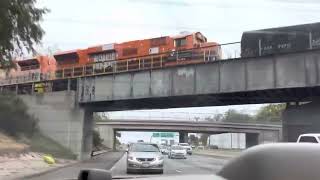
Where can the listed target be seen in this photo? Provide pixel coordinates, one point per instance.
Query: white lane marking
(179, 171)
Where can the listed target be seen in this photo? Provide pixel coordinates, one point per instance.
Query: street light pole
(151, 138)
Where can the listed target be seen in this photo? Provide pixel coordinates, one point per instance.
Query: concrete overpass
(284, 78)
(255, 133)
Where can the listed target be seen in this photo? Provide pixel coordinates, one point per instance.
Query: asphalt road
(194, 164)
(103, 161)
(116, 162)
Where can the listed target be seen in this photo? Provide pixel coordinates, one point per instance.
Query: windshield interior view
(160, 89)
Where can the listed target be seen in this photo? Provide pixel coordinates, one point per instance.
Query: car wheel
(161, 171)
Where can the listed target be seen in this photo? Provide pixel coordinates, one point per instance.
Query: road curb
(214, 155)
(57, 168)
(49, 170)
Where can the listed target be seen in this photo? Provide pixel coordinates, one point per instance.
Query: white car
(177, 152)
(144, 157)
(187, 147)
(164, 149)
(309, 138)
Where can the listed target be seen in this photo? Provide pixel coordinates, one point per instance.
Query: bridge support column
(62, 120)
(114, 144)
(252, 139)
(299, 119)
(87, 135)
(183, 137)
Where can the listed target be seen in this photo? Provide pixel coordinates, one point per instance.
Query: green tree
(216, 118)
(203, 139)
(234, 116)
(97, 140)
(97, 117)
(117, 141)
(100, 117)
(194, 140)
(20, 28)
(270, 113)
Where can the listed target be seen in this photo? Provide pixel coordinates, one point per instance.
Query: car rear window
(308, 139)
(177, 148)
(144, 148)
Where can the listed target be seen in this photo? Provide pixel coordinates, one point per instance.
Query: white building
(228, 140)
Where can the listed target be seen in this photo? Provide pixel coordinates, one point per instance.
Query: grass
(44, 144)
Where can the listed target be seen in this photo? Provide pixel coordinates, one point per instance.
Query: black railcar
(280, 40)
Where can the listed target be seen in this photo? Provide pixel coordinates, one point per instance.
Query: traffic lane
(102, 161)
(195, 164)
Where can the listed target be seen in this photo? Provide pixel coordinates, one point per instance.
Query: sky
(76, 24)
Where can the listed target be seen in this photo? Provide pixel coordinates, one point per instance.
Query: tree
(216, 118)
(234, 116)
(97, 117)
(194, 140)
(97, 140)
(271, 112)
(20, 28)
(204, 139)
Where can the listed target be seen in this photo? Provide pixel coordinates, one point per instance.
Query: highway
(116, 162)
(194, 164)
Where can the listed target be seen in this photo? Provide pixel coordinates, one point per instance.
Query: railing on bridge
(168, 59)
(196, 117)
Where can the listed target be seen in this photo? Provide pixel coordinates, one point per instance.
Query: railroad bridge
(66, 112)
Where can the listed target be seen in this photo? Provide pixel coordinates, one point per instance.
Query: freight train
(161, 51)
(184, 48)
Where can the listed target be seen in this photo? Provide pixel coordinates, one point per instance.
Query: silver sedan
(144, 157)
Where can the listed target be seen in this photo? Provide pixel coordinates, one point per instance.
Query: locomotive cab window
(180, 42)
(30, 64)
(70, 58)
(103, 56)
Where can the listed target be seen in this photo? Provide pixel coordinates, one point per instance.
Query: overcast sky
(75, 24)
(81, 23)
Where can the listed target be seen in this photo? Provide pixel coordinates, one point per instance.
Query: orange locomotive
(184, 48)
(71, 63)
(34, 69)
(167, 51)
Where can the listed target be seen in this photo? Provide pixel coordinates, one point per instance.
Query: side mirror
(94, 174)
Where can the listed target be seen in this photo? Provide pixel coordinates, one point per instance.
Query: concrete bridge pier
(299, 119)
(87, 135)
(61, 119)
(183, 137)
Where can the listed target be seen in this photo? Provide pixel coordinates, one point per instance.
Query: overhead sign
(163, 134)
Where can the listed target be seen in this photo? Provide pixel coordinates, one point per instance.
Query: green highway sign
(163, 134)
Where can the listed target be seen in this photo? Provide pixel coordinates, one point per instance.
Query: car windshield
(144, 148)
(177, 148)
